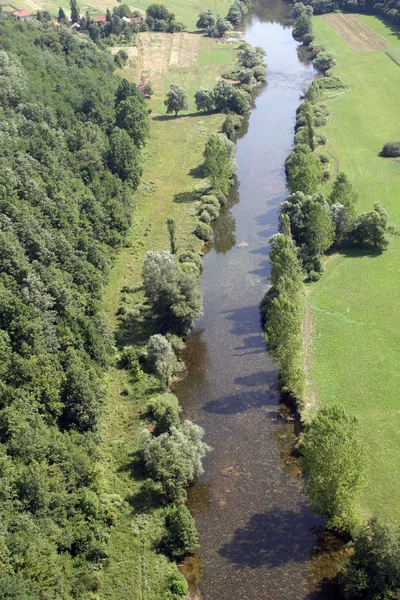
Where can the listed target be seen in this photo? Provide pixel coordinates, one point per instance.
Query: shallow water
(256, 532)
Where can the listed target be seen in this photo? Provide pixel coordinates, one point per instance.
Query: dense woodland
(69, 162)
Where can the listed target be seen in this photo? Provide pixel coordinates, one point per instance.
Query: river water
(256, 533)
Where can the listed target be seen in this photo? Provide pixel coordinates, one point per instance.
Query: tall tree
(334, 461)
(75, 15)
(176, 99)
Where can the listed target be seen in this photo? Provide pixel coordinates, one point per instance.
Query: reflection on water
(256, 533)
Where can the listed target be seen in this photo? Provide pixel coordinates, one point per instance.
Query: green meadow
(355, 307)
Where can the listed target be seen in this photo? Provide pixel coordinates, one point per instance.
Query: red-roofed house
(21, 15)
(101, 19)
(137, 19)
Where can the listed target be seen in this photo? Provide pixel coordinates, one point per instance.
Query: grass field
(172, 155)
(355, 340)
(185, 11)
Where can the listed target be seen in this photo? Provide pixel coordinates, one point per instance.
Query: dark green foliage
(65, 204)
(159, 18)
(203, 231)
(324, 61)
(219, 165)
(172, 293)
(121, 58)
(164, 410)
(182, 537)
(372, 229)
(281, 310)
(204, 99)
(391, 149)
(74, 11)
(373, 572)
(176, 99)
(228, 98)
(171, 225)
(344, 193)
(303, 170)
(131, 112)
(334, 462)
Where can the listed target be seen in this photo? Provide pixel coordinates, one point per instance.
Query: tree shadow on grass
(361, 252)
(185, 197)
(274, 538)
(173, 117)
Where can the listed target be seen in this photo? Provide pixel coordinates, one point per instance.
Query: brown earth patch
(355, 33)
(159, 52)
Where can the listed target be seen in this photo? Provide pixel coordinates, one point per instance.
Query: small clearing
(355, 34)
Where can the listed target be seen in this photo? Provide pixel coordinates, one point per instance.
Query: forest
(71, 134)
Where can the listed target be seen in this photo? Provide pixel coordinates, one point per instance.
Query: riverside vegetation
(73, 138)
(333, 446)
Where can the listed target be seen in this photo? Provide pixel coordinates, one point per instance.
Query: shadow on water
(273, 538)
(239, 403)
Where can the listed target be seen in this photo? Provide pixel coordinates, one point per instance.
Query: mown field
(172, 156)
(186, 11)
(355, 340)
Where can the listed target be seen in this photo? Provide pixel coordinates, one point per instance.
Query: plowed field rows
(355, 34)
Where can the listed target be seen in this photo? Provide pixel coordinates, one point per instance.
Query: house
(126, 19)
(75, 26)
(21, 15)
(101, 19)
(137, 19)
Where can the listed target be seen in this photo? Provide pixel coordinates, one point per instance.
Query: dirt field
(159, 52)
(355, 34)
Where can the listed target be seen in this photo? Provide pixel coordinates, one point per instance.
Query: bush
(205, 216)
(192, 257)
(210, 199)
(130, 357)
(164, 410)
(210, 209)
(391, 149)
(324, 158)
(182, 537)
(203, 231)
(174, 458)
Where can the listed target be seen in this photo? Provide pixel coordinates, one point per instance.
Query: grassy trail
(172, 158)
(355, 341)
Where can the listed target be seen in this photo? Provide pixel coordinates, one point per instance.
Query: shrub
(175, 458)
(203, 231)
(130, 357)
(260, 74)
(192, 257)
(210, 209)
(334, 462)
(210, 199)
(324, 158)
(205, 216)
(164, 410)
(391, 149)
(372, 229)
(182, 537)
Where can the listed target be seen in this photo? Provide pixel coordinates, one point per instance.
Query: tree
(344, 193)
(206, 19)
(164, 410)
(121, 58)
(62, 17)
(218, 161)
(302, 26)
(324, 61)
(124, 157)
(391, 149)
(176, 99)
(227, 98)
(204, 99)
(172, 292)
(373, 572)
(334, 462)
(182, 537)
(372, 229)
(303, 170)
(148, 89)
(75, 16)
(161, 357)
(131, 115)
(171, 225)
(175, 458)
(319, 232)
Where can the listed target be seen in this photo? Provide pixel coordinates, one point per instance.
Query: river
(256, 532)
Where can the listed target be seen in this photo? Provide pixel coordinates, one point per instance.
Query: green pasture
(355, 341)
